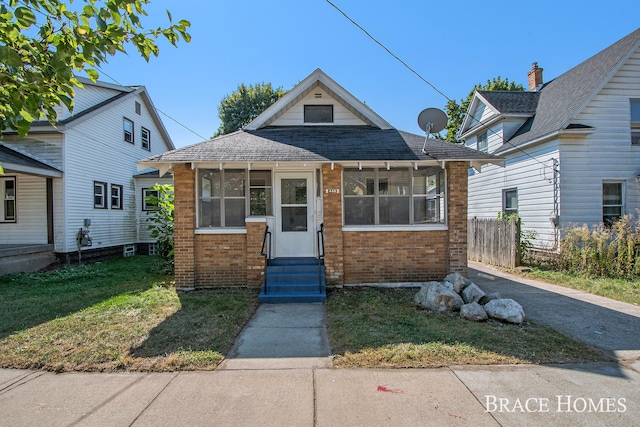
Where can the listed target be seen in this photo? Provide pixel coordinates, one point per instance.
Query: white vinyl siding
(295, 115)
(86, 98)
(31, 212)
(47, 148)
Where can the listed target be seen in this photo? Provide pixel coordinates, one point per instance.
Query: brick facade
(204, 260)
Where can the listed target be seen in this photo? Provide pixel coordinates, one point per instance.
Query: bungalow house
(79, 179)
(571, 146)
(318, 178)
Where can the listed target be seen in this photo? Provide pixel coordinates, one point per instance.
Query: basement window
(318, 113)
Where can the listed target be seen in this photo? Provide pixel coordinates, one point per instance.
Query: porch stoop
(294, 280)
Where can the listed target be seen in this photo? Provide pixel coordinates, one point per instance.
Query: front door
(295, 234)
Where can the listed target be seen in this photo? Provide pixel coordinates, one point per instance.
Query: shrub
(161, 220)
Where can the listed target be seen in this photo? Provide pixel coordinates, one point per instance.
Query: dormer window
(318, 113)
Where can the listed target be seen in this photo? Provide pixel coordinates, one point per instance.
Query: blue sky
(452, 44)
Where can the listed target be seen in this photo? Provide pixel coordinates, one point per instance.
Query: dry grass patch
(383, 328)
(119, 315)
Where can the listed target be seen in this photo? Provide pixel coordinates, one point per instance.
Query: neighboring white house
(571, 146)
(84, 168)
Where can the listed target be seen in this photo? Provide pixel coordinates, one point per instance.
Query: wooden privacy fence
(494, 242)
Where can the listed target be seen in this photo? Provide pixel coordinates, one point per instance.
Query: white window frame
(145, 193)
(102, 193)
(8, 198)
(620, 205)
(117, 197)
(145, 138)
(634, 110)
(129, 134)
(482, 142)
(506, 209)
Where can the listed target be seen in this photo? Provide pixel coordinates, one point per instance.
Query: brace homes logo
(560, 403)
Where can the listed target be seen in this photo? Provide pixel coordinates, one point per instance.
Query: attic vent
(317, 95)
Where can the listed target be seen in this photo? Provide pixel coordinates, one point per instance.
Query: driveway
(603, 323)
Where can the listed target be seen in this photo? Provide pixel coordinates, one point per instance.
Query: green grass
(383, 328)
(118, 315)
(619, 289)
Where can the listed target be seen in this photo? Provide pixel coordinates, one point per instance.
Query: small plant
(161, 220)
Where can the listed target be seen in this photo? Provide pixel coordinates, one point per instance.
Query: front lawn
(118, 315)
(383, 328)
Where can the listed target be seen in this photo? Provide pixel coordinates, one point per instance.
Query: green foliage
(245, 104)
(161, 220)
(44, 42)
(601, 251)
(456, 112)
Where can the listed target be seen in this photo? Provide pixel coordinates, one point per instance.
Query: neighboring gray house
(84, 168)
(571, 146)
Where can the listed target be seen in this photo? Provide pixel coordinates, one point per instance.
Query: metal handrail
(266, 244)
(320, 254)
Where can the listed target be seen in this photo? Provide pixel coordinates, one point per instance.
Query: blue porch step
(294, 280)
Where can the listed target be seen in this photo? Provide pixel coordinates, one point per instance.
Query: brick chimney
(535, 77)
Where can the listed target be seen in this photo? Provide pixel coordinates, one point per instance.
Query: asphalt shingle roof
(562, 99)
(320, 143)
(512, 102)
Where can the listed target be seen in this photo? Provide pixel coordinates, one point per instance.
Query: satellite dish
(432, 120)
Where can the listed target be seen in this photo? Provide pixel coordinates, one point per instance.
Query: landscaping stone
(506, 310)
(458, 281)
(472, 293)
(489, 297)
(437, 297)
(474, 312)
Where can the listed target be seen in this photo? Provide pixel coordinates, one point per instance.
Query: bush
(161, 221)
(603, 252)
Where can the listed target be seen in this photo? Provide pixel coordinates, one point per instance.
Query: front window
(116, 196)
(635, 122)
(612, 202)
(483, 144)
(8, 195)
(222, 198)
(318, 113)
(99, 195)
(127, 125)
(398, 196)
(510, 201)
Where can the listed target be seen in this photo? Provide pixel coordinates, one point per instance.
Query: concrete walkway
(609, 325)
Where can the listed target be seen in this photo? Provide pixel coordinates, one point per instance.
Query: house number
(332, 191)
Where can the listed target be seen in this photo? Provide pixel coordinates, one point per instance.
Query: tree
(456, 112)
(44, 42)
(245, 104)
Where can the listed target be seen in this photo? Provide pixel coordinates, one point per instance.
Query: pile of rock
(457, 293)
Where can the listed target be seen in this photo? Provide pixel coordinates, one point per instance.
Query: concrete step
(292, 297)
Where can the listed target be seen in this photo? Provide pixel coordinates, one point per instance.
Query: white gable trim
(473, 106)
(318, 78)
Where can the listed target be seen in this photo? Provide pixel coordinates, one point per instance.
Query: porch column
(255, 262)
(457, 189)
(332, 210)
(184, 181)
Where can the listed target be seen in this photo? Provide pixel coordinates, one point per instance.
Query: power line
(429, 83)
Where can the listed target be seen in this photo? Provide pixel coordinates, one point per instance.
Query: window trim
(622, 199)
(129, 134)
(119, 197)
(145, 142)
(504, 201)
(104, 187)
(146, 207)
(412, 225)
(317, 107)
(484, 140)
(4, 199)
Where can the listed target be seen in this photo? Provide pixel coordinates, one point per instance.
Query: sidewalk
(522, 395)
(609, 325)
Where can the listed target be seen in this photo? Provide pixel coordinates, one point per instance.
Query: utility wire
(482, 125)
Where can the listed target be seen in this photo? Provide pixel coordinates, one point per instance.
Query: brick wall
(333, 236)
(255, 262)
(184, 225)
(221, 259)
(394, 256)
(457, 191)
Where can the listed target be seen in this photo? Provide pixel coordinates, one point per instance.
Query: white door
(295, 234)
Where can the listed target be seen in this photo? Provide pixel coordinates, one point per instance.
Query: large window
(318, 113)
(395, 196)
(510, 201)
(8, 197)
(612, 202)
(99, 195)
(483, 144)
(635, 122)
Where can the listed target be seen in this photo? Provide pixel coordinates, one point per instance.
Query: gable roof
(561, 100)
(318, 79)
(511, 102)
(14, 161)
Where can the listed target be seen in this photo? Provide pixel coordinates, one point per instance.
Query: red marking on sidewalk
(389, 390)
